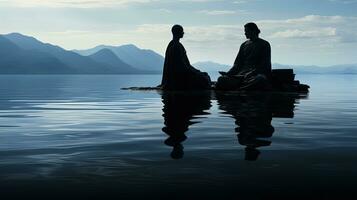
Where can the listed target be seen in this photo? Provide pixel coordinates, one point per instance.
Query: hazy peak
(105, 51)
(129, 46)
(20, 36)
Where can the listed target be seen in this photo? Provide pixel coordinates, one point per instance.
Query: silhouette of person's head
(177, 152)
(251, 31)
(251, 153)
(177, 31)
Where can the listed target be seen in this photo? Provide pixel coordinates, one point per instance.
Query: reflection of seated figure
(179, 109)
(253, 114)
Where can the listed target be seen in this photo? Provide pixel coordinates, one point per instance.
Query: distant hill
(15, 60)
(142, 59)
(334, 69)
(66, 62)
(107, 57)
(209, 66)
(21, 54)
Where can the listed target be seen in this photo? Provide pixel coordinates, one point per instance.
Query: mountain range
(26, 55)
(143, 59)
(333, 69)
(21, 54)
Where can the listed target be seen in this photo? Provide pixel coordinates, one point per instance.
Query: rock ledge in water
(283, 80)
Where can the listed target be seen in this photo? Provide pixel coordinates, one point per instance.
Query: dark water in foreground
(81, 136)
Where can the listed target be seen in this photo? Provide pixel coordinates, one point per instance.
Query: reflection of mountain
(139, 58)
(253, 114)
(180, 108)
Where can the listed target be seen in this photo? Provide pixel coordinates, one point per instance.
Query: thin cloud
(244, 1)
(312, 19)
(217, 12)
(199, 0)
(332, 28)
(296, 33)
(163, 10)
(344, 1)
(71, 3)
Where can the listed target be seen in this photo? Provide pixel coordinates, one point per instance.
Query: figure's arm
(265, 64)
(237, 63)
(193, 69)
(186, 61)
(178, 62)
(164, 72)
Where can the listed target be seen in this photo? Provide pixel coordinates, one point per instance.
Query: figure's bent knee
(226, 83)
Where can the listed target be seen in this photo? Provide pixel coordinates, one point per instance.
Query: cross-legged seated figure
(252, 67)
(178, 73)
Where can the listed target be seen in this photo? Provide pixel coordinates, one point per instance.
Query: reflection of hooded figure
(179, 109)
(253, 114)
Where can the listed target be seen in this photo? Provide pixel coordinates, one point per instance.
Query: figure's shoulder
(171, 46)
(175, 47)
(175, 44)
(171, 43)
(264, 42)
(244, 43)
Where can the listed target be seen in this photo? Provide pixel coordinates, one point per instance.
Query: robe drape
(178, 74)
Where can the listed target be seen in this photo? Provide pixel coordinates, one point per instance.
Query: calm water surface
(83, 135)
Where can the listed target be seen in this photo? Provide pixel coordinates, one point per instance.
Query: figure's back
(174, 68)
(257, 56)
(178, 73)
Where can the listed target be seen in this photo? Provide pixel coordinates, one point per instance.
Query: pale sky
(301, 32)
